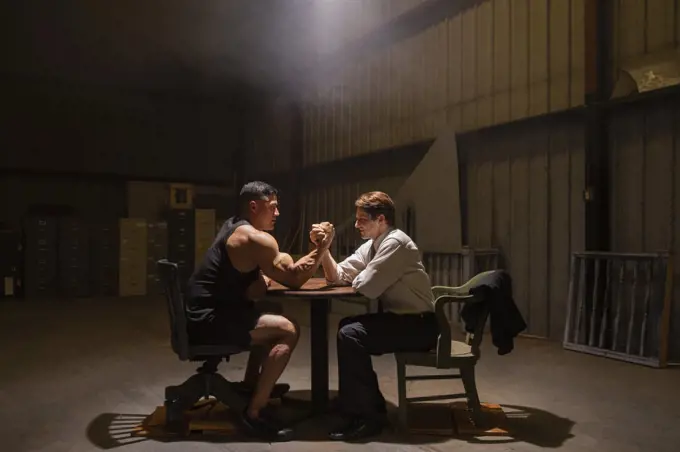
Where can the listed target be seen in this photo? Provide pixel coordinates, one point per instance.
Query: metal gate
(619, 306)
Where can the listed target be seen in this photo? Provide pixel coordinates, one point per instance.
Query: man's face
(265, 211)
(368, 228)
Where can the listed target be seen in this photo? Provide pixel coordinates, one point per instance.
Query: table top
(314, 288)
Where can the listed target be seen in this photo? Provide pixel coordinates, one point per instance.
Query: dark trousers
(360, 337)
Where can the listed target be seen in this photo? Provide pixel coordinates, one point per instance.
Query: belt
(381, 309)
(405, 312)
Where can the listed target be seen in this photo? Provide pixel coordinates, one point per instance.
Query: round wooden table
(319, 294)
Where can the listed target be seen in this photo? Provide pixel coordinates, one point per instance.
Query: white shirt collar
(381, 237)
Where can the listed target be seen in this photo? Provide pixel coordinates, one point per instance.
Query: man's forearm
(330, 267)
(306, 267)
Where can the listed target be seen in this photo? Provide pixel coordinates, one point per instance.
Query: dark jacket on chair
(506, 320)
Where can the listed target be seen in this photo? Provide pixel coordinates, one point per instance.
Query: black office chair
(206, 382)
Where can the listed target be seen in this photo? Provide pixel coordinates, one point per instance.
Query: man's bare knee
(296, 326)
(292, 330)
(271, 329)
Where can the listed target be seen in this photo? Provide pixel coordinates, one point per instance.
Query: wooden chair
(449, 354)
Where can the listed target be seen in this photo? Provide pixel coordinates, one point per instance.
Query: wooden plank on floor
(453, 419)
(495, 422)
(431, 419)
(205, 417)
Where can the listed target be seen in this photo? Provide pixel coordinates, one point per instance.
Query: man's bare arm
(330, 267)
(280, 266)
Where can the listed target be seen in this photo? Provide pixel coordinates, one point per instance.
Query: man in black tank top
(217, 291)
(235, 271)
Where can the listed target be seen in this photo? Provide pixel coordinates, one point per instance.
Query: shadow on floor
(525, 424)
(114, 430)
(532, 426)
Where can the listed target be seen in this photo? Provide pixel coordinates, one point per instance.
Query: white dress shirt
(396, 275)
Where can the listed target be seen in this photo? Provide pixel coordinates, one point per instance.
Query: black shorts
(229, 327)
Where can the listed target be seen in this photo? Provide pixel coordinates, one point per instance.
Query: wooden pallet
(206, 417)
(452, 419)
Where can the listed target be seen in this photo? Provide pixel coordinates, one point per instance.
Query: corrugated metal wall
(339, 23)
(268, 138)
(498, 61)
(522, 189)
(645, 167)
(643, 27)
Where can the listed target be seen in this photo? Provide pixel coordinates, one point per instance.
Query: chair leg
(474, 406)
(401, 390)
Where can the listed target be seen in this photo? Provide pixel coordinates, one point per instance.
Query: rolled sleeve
(384, 270)
(351, 267)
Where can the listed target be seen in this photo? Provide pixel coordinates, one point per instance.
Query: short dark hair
(253, 191)
(375, 203)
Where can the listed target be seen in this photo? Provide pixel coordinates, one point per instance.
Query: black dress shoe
(357, 429)
(265, 429)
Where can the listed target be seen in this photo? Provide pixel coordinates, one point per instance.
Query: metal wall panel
(147, 200)
(89, 198)
(644, 26)
(521, 188)
(497, 61)
(645, 165)
(56, 128)
(268, 140)
(337, 24)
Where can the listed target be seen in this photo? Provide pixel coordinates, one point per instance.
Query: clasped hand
(322, 234)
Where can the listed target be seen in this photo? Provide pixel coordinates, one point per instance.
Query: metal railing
(619, 306)
(455, 269)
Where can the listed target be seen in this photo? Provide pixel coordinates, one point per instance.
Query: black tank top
(216, 285)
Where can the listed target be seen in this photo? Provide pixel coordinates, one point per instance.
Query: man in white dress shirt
(387, 268)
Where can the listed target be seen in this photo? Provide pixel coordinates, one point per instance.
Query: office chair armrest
(440, 291)
(444, 340)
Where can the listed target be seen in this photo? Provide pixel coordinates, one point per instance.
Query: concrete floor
(68, 368)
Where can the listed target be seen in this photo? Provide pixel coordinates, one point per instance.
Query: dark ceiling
(207, 46)
(166, 44)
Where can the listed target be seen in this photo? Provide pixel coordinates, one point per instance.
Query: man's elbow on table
(367, 287)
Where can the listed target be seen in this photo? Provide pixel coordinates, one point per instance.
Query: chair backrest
(169, 274)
